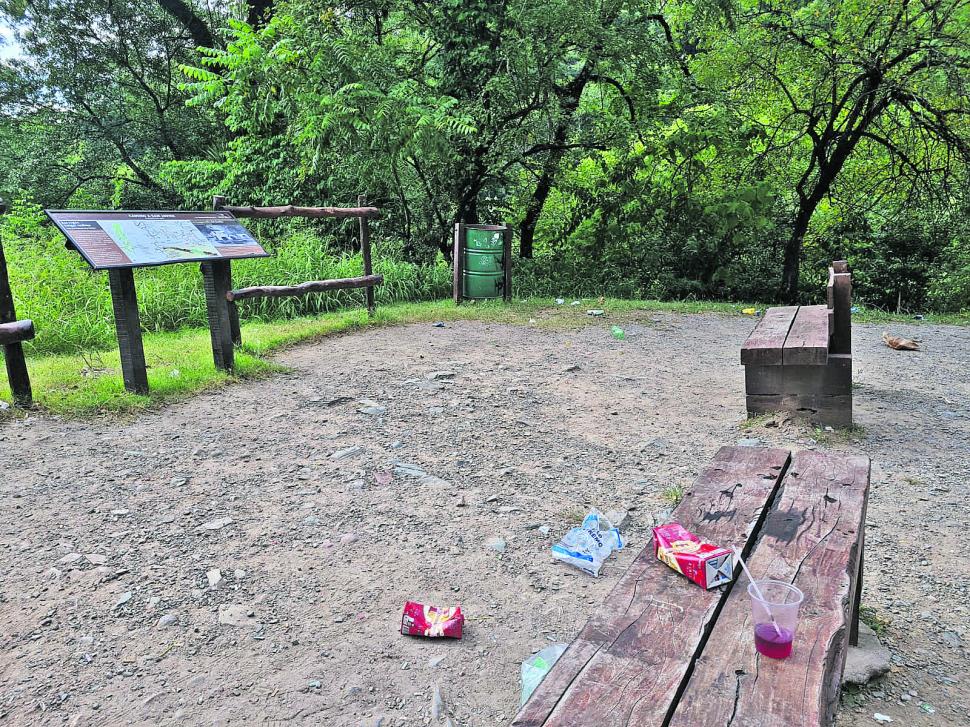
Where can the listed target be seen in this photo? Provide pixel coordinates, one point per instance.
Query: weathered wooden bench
(12, 334)
(799, 358)
(662, 651)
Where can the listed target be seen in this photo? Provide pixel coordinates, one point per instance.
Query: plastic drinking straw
(757, 590)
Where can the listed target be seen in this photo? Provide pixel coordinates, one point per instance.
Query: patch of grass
(758, 420)
(839, 435)
(869, 616)
(673, 494)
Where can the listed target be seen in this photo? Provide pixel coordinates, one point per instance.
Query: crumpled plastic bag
(587, 546)
(535, 668)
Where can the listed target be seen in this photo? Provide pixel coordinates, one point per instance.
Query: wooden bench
(799, 358)
(12, 334)
(662, 651)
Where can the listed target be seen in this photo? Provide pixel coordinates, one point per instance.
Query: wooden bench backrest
(839, 294)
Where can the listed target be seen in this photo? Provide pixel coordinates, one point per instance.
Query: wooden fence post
(507, 264)
(218, 202)
(125, 304)
(459, 262)
(13, 352)
(216, 279)
(365, 253)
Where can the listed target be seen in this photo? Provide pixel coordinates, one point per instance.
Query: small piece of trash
(559, 301)
(175, 373)
(854, 309)
(595, 312)
(927, 707)
(749, 311)
(438, 324)
(884, 718)
(917, 317)
(575, 302)
(618, 333)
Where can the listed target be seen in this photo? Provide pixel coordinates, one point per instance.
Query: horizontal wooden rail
(16, 332)
(291, 211)
(316, 286)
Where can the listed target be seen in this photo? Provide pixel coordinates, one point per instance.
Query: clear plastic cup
(775, 617)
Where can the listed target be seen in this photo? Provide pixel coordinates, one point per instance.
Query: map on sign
(119, 239)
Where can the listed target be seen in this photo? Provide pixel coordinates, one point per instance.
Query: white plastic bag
(535, 668)
(587, 546)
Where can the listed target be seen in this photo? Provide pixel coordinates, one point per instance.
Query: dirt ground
(298, 490)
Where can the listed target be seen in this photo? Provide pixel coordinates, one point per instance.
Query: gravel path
(244, 556)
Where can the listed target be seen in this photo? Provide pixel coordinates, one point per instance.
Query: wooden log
(832, 379)
(458, 292)
(633, 656)
(219, 203)
(317, 286)
(365, 254)
(128, 326)
(812, 537)
(216, 281)
(16, 332)
(840, 302)
(808, 339)
(766, 343)
(292, 211)
(13, 352)
(507, 263)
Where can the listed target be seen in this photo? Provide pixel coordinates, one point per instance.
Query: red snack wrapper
(432, 621)
(707, 565)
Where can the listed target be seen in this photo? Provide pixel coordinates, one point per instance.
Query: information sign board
(132, 239)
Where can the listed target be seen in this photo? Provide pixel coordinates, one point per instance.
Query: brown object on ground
(798, 359)
(899, 343)
(659, 645)
(629, 661)
(317, 286)
(813, 538)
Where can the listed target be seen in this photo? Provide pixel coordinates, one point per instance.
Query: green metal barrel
(484, 272)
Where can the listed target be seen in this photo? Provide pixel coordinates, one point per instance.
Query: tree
(833, 82)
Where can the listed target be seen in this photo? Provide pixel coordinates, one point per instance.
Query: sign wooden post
(125, 304)
(216, 278)
(365, 254)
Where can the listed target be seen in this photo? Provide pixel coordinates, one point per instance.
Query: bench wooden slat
(631, 658)
(16, 332)
(766, 343)
(812, 537)
(833, 379)
(808, 339)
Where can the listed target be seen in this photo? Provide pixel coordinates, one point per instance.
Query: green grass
(180, 362)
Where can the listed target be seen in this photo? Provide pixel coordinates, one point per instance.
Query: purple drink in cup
(774, 608)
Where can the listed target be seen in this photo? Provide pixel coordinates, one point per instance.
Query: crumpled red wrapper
(431, 621)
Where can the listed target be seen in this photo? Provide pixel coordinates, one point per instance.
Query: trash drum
(484, 263)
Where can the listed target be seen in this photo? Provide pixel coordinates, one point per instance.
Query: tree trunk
(183, 12)
(793, 252)
(570, 102)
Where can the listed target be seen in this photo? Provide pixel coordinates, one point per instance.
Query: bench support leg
(857, 599)
(365, 254)
(215, 276)
(128, 326)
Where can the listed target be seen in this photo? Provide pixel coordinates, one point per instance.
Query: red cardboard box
(707, 565)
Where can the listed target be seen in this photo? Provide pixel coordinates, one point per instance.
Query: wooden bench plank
(631, 659)
(812, 537)
(808, 339)
(766, 343)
